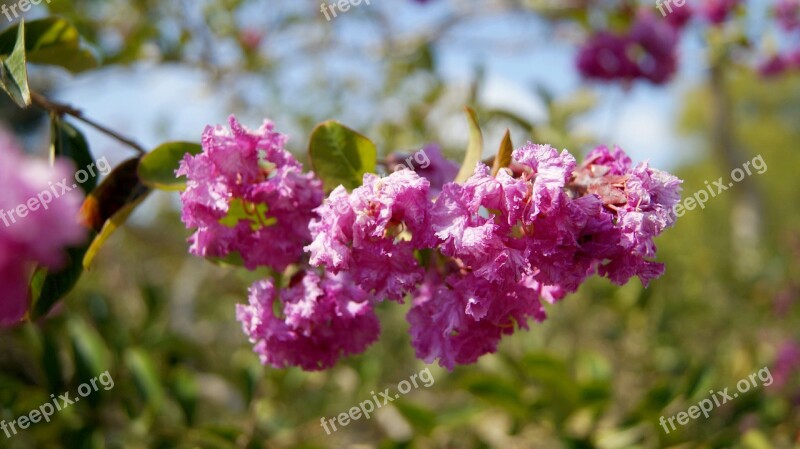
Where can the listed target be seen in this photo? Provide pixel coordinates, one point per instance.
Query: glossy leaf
(51, 41)
(109, 206)
(13, 70)
(157, 168)
(475, 147)
(341, 156)
(66, 141)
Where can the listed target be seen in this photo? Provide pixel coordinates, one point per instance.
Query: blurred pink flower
(39, 221)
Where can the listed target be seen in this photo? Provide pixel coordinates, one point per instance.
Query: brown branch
(65, 109)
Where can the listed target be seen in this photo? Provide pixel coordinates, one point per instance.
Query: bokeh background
(598, 373)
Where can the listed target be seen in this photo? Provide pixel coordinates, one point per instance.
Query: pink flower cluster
(39, 237)
(478, 258)
(648, 49)
(247, 195)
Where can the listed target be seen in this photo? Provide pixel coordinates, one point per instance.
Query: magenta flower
(463, 318)
(787, 13)
(641, 202)
(429, 163)
(646, 51)
(716, 11)
(321, 320)
(787, 363)
(38, 222)
(480, 239)
(246, 194)
(680, 16)
(372, 233)
(506, 243)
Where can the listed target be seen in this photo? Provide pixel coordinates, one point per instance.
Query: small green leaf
(110, 204)
(157, 169)
(13, 70)
(503, 158)
(66, 141)
(341, 156)
(233, 259)
(474, 149)
(51, 41)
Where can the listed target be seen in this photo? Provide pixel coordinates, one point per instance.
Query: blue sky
(155, 102)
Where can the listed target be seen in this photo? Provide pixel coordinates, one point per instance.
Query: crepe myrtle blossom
(47, 231)
(648, 50)
(246, 194)
(372, 233)
(320, 320)
(506, 244)
(477, 259)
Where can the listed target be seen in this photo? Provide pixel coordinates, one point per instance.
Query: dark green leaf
(66, 141)
(55, 285)
(13, 71)
(341, 156)
(157, 169)
(51, 41)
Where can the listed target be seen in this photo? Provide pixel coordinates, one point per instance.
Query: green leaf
(91, 354)
(66, 141)
(145, 375)
(495, 390)
(341, 156)
(110, 205)
(157, 168)
(55, 285)
(421, 419)
(13, 71)
(186, 391)
(474, 149)
(503, 158)
(51, 41)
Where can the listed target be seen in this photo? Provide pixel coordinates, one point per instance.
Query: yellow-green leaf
(474, 149)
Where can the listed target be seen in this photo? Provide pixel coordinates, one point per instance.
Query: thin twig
(61, 109)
